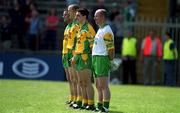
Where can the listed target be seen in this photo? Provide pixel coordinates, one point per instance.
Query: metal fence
(141, 28)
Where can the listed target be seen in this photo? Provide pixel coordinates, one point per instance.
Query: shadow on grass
(115, 111)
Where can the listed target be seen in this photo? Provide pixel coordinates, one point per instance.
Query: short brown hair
(84, 12)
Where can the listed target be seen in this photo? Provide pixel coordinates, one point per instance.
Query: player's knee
(104, 87)
(69, 80)
(88, 83)
(81, 83)
(99, 87)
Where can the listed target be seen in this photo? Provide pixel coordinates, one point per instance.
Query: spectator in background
(34, 31)
(52, 22)
(30, 7)
(129, 54)
(170, 55)
(129, 11)
(151, 53)
(5, 33)
(17, 21)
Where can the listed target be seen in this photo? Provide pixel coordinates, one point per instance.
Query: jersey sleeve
(91, 35)
(109, 40)
(74, 34)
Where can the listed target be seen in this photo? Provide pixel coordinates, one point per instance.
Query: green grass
(20, 96)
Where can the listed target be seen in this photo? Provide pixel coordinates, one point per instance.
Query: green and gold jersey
(92, 34)
(65, 40)
(72, 35)
(85, 39)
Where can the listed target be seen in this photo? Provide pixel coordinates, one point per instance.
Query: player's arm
(91, 35)
(109, 41)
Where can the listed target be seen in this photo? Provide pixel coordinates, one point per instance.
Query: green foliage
(20, 96)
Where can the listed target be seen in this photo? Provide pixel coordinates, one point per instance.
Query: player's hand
(115, 63)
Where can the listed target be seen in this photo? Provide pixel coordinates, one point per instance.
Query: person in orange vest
(129, 54)
(170, 55)
(151, 52)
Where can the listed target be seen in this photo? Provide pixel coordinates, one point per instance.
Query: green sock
(106, 104)
(79, 103)
(99, 105)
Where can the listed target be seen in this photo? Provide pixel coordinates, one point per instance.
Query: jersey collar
(103, 25)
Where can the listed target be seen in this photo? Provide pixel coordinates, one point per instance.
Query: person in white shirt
(102, 54)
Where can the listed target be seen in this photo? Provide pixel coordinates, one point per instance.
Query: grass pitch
(26, 96)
